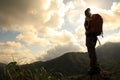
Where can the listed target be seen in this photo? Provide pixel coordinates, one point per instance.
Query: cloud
(74, 11)
(11, 44)
(111, 17)
(58, 50)
(32, 19)
(75, 14)
(29, 12)
(40, 22)
(11, 50)
(63, 37)
(31, 36)
(80, 35)
(111, 25)
(115, 37)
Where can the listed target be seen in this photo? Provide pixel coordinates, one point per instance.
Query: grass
(15, 72)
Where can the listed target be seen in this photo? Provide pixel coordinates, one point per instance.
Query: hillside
(76, 63)
(109, 57)
(69, 63)
(73, 63)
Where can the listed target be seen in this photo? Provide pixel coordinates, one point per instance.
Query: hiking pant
(91, 43)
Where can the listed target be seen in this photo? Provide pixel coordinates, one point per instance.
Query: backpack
(95, 25)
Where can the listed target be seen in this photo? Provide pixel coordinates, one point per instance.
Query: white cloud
(11, 44)
(111, 23)
(31, 36)
(111, 17)
(15, 50)
(75, 11)
(80, 34)
(115, 37)
(36, 21)
(39, 22)
(58, 50)
(63, 37)
(32, 19)
(116, 7)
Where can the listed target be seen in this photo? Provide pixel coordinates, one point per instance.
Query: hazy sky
(32, 30)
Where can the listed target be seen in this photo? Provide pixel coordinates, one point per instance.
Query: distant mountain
(78, 62)
(74, 63)
(109, 57)
(69, 63)
(109, 53)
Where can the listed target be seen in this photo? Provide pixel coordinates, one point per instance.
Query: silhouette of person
(91, 40)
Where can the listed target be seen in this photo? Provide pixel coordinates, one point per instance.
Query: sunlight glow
(93, 9)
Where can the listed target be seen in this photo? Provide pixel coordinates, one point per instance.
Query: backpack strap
(102, 34)
(99, 41)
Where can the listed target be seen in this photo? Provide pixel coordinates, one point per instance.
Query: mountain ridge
(74, 63)
(78, 62)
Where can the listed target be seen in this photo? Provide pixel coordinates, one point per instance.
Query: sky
(40, 30)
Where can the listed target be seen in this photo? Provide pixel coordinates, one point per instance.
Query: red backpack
(96, 25)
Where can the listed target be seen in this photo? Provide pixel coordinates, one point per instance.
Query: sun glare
(93, 9)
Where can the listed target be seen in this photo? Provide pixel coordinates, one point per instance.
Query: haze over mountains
(74, 63)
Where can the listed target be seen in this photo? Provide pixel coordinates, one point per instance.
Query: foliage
(15, 72)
